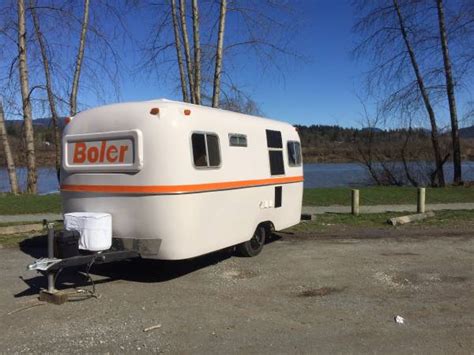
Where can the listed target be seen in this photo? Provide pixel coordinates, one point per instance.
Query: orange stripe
(168, 189)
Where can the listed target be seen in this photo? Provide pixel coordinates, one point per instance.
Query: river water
(316, 175)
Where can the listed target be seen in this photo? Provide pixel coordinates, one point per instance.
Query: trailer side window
(213, 150)
(274, 139)
(237, 140)
(275, 152)
(276, 162)
(294, 153)
(206, 150)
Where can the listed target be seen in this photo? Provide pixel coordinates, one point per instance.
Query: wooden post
(421, 200)
(355, 202)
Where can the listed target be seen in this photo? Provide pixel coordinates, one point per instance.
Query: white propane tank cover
(94, 228)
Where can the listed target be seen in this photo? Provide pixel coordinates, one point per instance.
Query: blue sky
(319, 89)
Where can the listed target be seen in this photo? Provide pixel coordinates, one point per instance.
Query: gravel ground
(337, 291)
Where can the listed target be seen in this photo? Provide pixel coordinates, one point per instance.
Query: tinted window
(294, 154)
(237, 140)
(274, 139)
(199, 149)
(205, 150)
(276, 162)
(278, 192)
(213, 149)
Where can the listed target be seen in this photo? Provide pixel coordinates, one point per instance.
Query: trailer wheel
(254, 246)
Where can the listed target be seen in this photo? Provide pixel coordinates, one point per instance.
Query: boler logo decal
(105, 152)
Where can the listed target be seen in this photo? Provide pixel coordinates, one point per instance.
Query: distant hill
(39, 122)
(371, 129)
(467, 132)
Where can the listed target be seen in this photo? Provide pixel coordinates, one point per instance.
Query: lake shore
(320, 175)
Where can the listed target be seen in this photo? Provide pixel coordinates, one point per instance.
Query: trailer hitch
(43, 264)
(52, 265)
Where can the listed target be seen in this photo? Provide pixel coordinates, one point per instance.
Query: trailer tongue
(52, 265)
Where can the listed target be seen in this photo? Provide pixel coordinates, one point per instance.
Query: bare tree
(238, 101)
(197, 53)
(79, 59)
(403, 154)
(219, 55)
(265, 30)
(187, 50)
(49, 86)
(179, 55)
(450, 93)
(31, 185)
(424, 95)
(11, 168)
(396, 80)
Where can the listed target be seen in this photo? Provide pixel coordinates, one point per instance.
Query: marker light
(67, 120)
(154, 111)
(187, 112)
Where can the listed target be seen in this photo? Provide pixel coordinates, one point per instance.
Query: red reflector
(187, 112)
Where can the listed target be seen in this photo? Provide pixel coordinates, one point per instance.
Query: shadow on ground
(133, 270)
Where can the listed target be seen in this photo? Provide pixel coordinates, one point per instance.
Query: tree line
(420, 54)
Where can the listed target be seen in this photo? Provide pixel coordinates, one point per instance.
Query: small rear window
(294, 153)
(237, 140)
(206, 152)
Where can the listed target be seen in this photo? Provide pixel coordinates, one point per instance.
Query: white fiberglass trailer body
(181, 180)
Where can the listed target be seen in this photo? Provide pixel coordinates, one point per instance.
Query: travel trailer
(182, 180)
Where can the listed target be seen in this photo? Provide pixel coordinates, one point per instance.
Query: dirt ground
(334, 291)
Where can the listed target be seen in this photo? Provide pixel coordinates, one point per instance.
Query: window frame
(205, 133)
(288, 153)
(240, 135)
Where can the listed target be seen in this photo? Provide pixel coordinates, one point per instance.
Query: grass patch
(26, 204)
(14, 240)
(370, 220)
(449, 218)
(328, 220)
(386, 195)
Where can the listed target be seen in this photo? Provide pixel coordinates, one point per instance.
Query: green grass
(26, 204)
(386, 195)
(330, 220)
(14, 240)
(11, 241)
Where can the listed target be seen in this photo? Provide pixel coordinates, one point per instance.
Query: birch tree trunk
(26, 102)
(187, 50)
(179, 55)
(8, 154)
(219, 54)
(197, 53)
(450, 92)
(49, 87)
(425, 96)
(79, 59)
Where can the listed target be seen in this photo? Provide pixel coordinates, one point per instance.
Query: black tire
(254, 246)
